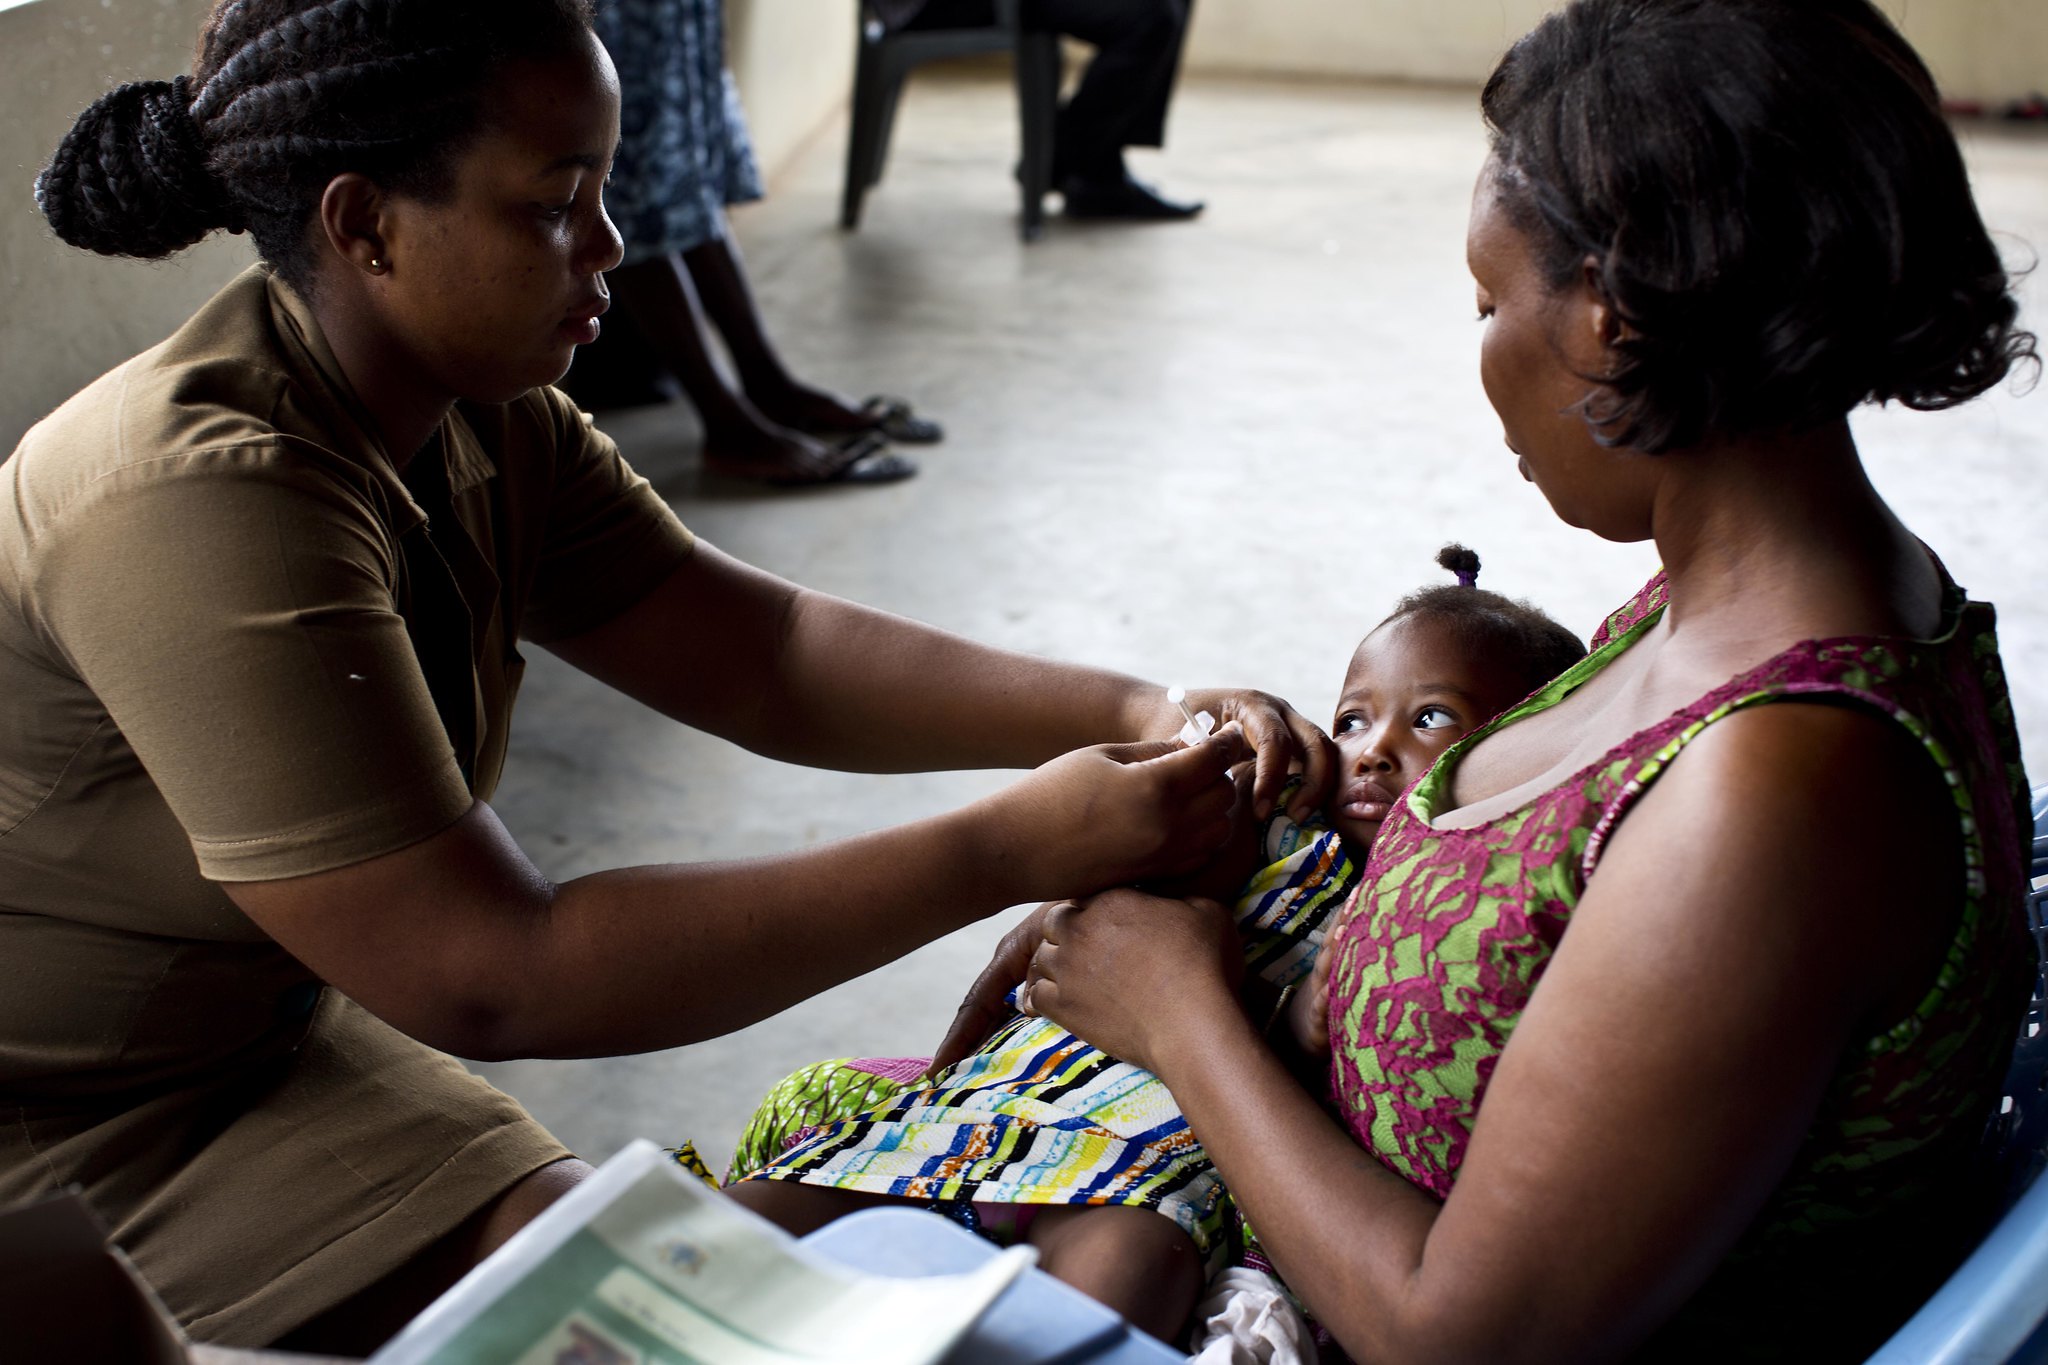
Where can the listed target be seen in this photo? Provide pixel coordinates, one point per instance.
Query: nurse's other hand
(1113, 814)
(1282, 740)
(1129, 972)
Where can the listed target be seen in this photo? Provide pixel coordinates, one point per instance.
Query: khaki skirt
(253, 1207)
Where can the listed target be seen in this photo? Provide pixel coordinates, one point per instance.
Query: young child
(1040, 1137)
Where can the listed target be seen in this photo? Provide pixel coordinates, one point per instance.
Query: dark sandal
(877, 466)
(894, 418)
(863, 457)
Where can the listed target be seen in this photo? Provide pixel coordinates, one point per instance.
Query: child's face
(1410, 694)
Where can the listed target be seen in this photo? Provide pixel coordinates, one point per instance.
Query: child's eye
(555, 210)
(1434, 718)
(1350, 721)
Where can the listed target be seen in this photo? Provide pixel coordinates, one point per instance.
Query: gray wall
(66, 315)
(1990, 50)
(793, 60)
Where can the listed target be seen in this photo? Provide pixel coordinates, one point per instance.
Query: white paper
(642, 1264)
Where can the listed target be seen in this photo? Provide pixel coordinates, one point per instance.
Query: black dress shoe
(1123, 198)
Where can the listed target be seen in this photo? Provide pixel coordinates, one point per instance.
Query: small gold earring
(376, 265)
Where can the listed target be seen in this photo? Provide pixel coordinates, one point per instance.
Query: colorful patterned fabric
(1451, 930)
(1037, 1116)
(683, 147)
(819, 1093)
(687, 1157)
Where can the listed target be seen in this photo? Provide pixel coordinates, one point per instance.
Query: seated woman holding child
(1039, 1137)
(1667, 1013)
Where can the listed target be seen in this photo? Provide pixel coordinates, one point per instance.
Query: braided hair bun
(286, 95)
(131, 177)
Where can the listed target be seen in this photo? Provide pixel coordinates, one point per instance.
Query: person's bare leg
(1134, 1260)
(728, 300)
(360, 1324)
(797, 1208)
(661, 298)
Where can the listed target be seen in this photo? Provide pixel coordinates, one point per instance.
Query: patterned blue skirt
(683, 148)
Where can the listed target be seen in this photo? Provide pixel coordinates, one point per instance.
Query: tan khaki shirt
(235, 644)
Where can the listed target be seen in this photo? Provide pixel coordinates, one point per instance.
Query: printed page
(651, 1267)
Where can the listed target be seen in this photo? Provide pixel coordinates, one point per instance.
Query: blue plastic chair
(1994, 1309)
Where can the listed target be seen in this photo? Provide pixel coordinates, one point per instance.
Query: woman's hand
(1113, 814)
(1212, 823)
(1281, 740)
(1127, 971)
(987, 1003)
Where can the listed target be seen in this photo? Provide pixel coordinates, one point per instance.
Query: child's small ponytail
(1462, 562)
(1527, 645)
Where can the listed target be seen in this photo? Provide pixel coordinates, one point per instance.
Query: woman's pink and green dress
(1445, 941)
(1450, 932)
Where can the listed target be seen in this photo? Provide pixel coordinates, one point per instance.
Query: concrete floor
(1212, 452)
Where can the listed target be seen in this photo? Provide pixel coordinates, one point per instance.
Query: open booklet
(642, 1264)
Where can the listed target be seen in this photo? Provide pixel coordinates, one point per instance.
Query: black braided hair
(286, 95)
(1517, 639)
(128, 160)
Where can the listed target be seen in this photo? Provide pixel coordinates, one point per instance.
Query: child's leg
(798, 1208)
(1135, 1260)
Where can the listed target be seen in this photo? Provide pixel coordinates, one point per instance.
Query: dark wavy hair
(1519, 642)
(284, 96)
(1771, 203)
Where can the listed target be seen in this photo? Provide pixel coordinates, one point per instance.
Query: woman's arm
(986, 1006)
(459, 940)
(1784, 888)
(809, 678)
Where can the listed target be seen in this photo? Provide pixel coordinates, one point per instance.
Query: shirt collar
(348, 422)
(469, 464)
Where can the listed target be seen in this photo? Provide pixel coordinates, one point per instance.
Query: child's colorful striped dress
(1037, 1116)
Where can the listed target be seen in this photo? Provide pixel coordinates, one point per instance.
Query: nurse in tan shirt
(262, 593)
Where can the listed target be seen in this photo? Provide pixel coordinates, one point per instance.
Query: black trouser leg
(1124, 94)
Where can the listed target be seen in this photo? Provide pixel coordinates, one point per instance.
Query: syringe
(1200, 723)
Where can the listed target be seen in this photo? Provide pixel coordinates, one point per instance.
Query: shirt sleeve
(609, 538)
(235, 612)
